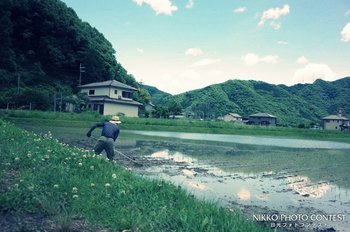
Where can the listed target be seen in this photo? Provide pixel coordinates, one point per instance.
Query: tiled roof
(112, 83)
(235, 115)
(266, 115)
(335, 117)
(112, 100)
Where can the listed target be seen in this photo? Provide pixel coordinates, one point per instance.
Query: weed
(57, 180)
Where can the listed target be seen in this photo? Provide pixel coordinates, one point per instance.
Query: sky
(182, 45)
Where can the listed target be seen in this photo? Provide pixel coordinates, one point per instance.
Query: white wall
(113, 109)
(106, 91)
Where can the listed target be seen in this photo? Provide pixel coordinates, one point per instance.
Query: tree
(174, 108)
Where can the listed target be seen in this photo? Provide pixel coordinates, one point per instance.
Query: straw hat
(115, 119)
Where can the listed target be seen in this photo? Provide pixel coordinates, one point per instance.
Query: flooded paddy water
(294, 185)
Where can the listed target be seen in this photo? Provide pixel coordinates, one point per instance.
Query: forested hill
(297, 105)
(156, 95)
(43, 43)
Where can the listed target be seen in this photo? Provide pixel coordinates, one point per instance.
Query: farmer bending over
(110, 132)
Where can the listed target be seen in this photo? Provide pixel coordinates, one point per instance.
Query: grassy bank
(216, 127)
(40, 176)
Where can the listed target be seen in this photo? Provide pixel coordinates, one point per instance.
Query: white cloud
(345, 33)
(240, 9)
(274, 14)
(270, 59)
(140, 50)
(347, 13)
(302, 60)
(205, 62)
(189, 4)
(312, 72)
(251, 59)
(282, 42)
(194, 52)
(159, 6)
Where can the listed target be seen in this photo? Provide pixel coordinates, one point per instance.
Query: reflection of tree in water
(319, 165)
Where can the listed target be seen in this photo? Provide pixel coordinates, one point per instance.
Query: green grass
(39, 175)
(216, 127)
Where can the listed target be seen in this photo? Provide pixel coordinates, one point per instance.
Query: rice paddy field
(48, 185)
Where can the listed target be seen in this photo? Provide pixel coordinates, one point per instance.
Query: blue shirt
(109, 130)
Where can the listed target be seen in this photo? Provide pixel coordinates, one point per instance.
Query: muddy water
(284, 178)
(277, 178)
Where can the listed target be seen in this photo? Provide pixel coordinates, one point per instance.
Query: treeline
(43, 44)
(300, 105)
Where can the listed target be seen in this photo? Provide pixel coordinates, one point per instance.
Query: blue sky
(181, 45)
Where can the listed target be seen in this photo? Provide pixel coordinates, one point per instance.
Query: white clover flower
(107, 185)
(17, 158)
(75, 196)
(46, 157)
(114, 176)
(92, 168)
(55, 186)
(84, 156)
(74, 190)
(92, 185)
(29, 155)
(80, 164)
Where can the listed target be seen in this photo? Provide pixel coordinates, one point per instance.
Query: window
(91, 92)
(115, 91)
(126, 94)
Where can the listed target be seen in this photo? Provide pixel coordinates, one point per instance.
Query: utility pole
(81, 70)
(18, 81)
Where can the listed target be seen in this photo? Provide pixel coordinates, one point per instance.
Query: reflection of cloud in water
(177, 156)
(303, 186)
(195, 185)
(160, 154)
(244, 194)
(187, 172)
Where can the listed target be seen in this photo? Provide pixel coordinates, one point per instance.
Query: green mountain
(157, 95)
(298, 105)
(42, 45)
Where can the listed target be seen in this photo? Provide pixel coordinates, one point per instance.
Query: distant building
(149, 107)
(336, 122)
(111, 97)
(262, 119)
(232, 117)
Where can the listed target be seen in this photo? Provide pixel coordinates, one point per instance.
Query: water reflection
(245, 139)
(303, 186)
(244, 194)
(290, 180)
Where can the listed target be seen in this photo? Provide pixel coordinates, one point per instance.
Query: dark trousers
(104, 143)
